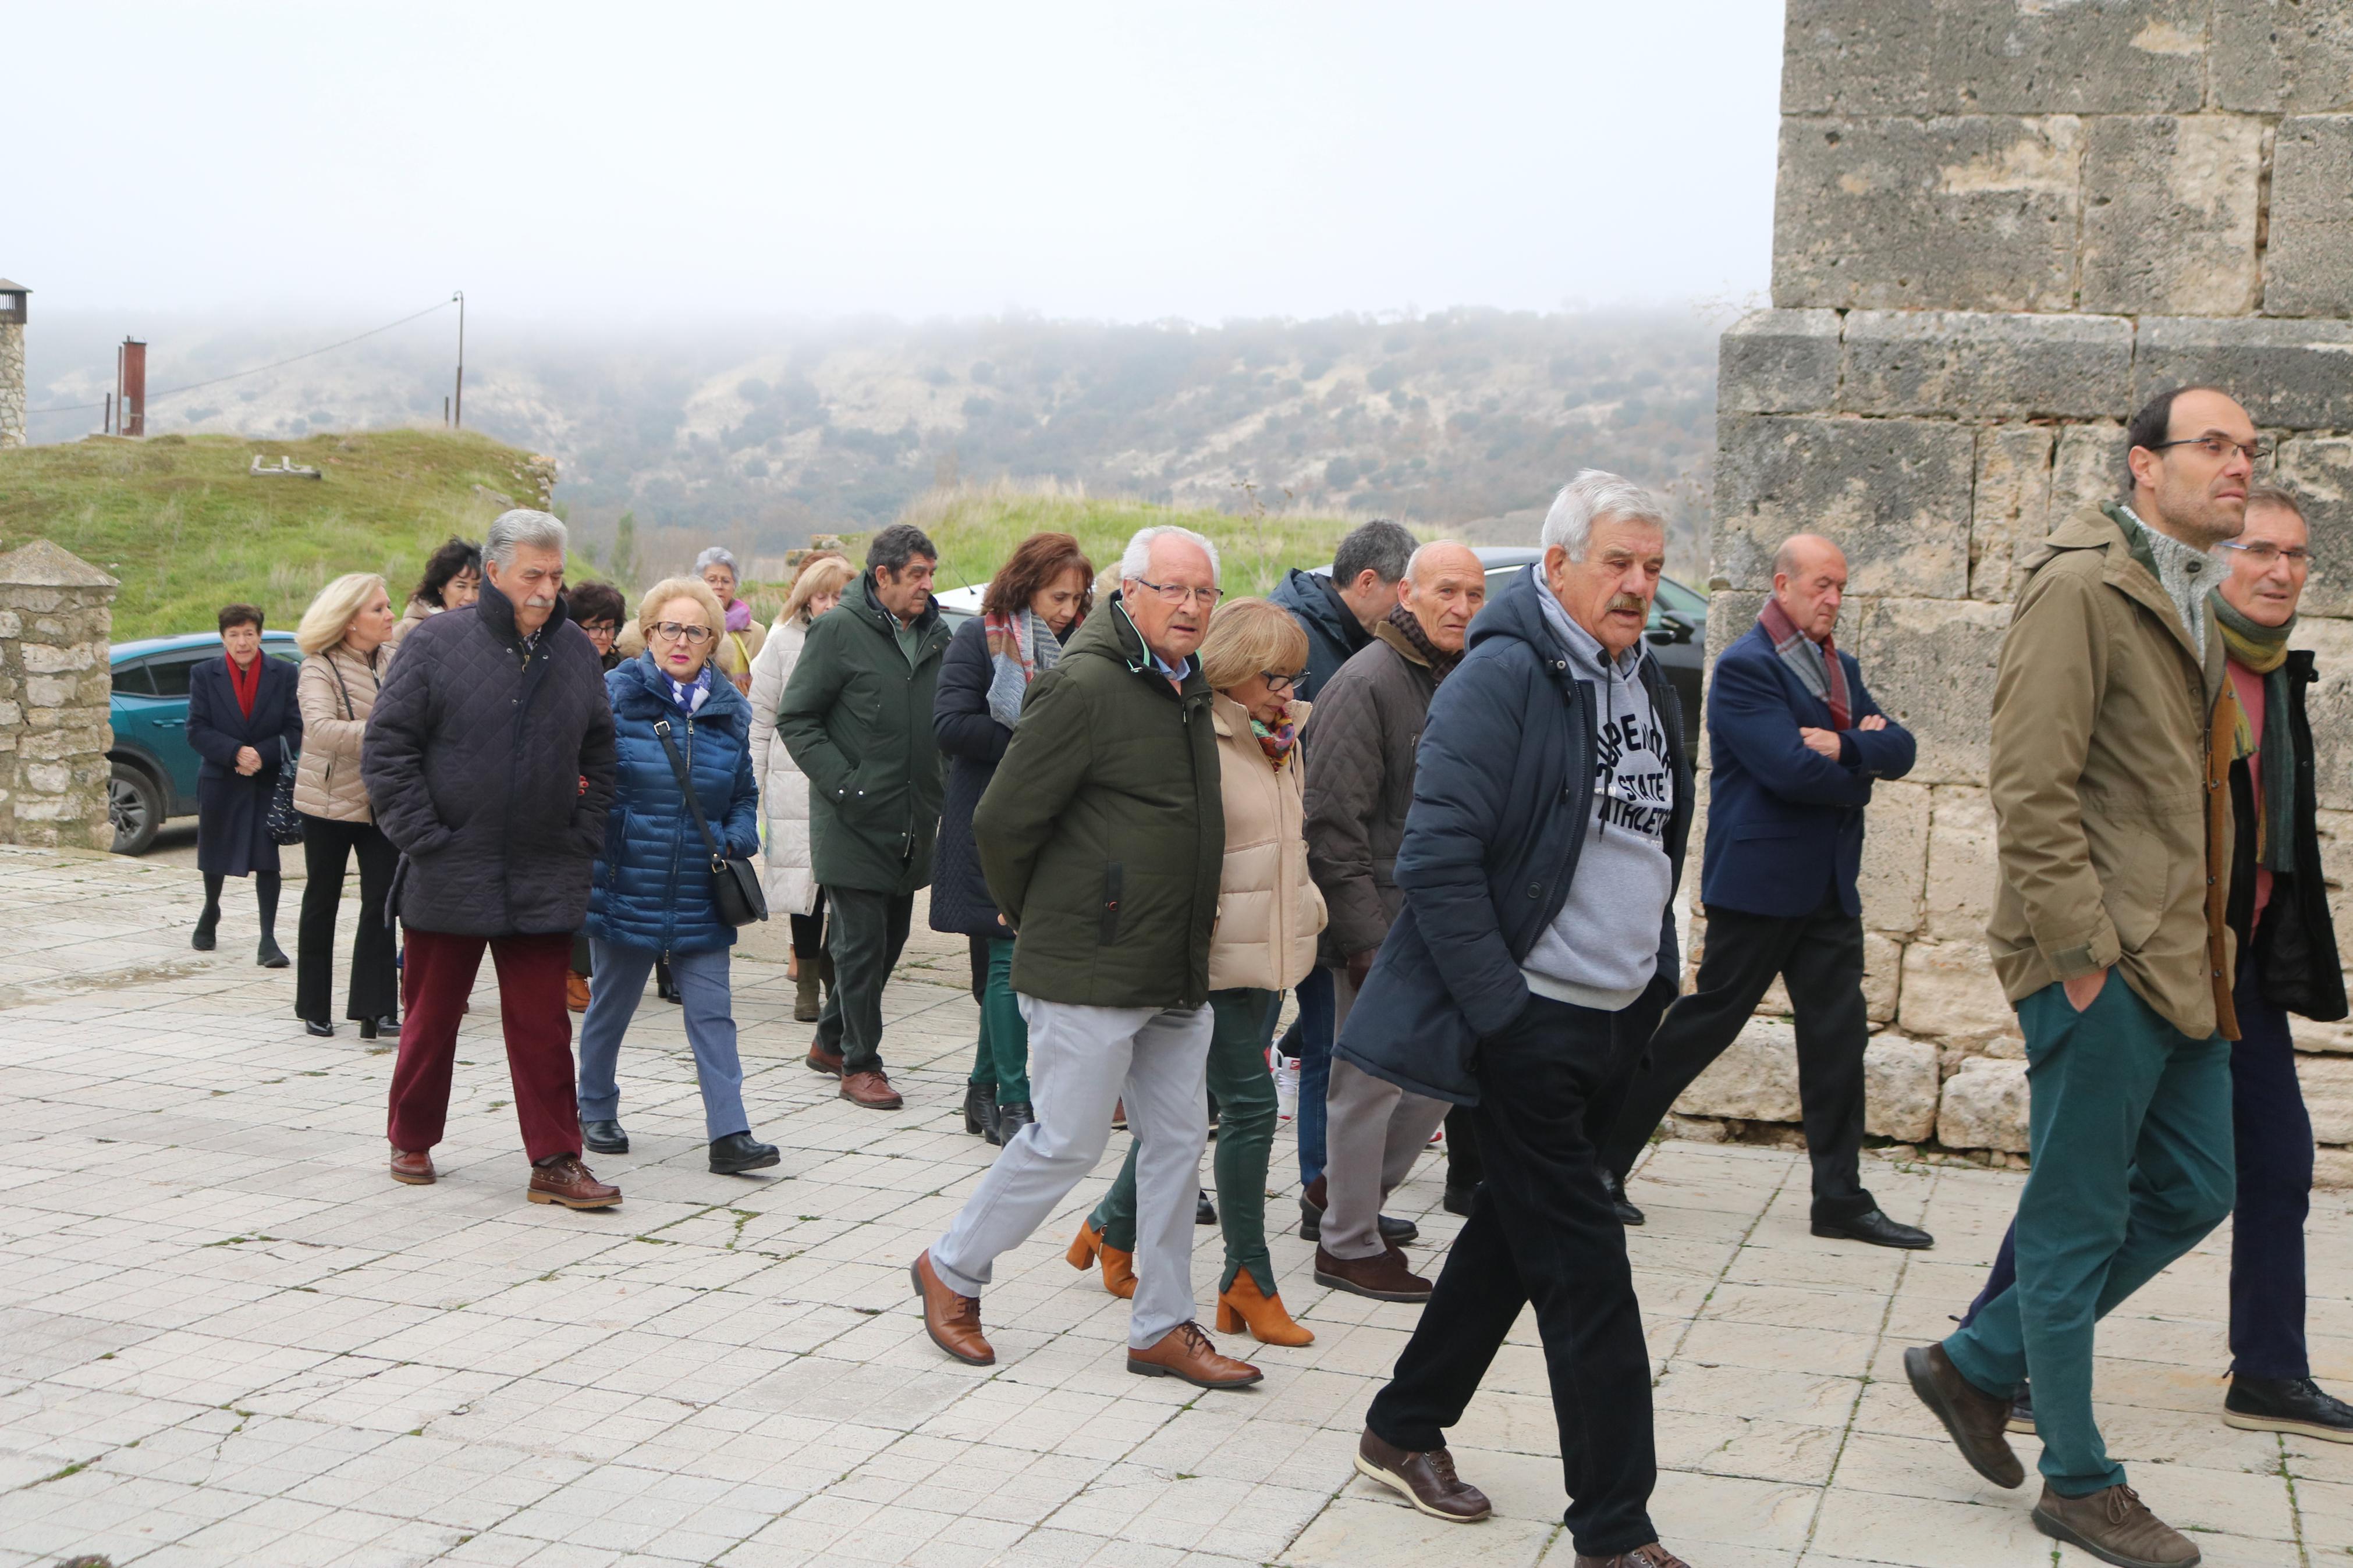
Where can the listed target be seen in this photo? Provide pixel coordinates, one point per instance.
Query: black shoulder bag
(735, 882)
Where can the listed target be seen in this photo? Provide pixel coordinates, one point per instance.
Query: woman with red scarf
(242, 719)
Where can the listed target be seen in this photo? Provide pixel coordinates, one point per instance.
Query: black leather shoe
(1877, 1229)
(1204, 1211)
(1458, 1200)
(202, 939)
(980, 1110)
(1011, 1118)
(604, 1138)
(1394, 1231)
(2286, 1405)
(370, 1028)
(318, 1027)
(740, 1152)
(1626, 1212)
(268, 954)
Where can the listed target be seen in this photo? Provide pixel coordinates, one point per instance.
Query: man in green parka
(857, 718)
(1102, 837)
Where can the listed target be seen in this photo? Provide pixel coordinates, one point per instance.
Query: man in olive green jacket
(857, 718)
(2112, 726)
(1101, 836)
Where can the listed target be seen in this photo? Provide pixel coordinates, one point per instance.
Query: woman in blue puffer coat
(652, 897)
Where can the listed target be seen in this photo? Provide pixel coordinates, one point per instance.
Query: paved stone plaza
(227, 1338)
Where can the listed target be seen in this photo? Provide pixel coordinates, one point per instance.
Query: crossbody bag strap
(686, 784)
(349, 712)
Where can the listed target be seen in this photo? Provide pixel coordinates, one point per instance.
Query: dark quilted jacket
(653, 883)
(492, 771)
(1362, 736)
(971, 740)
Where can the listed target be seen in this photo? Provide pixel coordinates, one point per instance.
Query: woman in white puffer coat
(784, 788)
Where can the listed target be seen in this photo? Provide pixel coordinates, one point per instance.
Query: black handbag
(735, 881)
(284, 824)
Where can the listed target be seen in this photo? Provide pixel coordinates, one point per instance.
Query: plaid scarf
(1442, 663)
(1021, 646)
(1816, 664)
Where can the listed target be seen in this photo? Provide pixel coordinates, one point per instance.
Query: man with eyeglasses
(2114, 740)
(1101, 836)
(1362, 737)
(857, 718)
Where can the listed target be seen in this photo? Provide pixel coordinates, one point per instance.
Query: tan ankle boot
(1242, 1303)
(1118, 1268)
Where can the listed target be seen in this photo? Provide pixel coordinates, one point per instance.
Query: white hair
(1137, 560)
(1590, 497)
(521, 527)
(716, 555)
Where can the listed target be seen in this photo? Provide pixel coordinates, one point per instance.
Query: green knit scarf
(2263, 650)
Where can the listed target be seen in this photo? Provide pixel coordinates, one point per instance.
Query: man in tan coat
(2112, 719)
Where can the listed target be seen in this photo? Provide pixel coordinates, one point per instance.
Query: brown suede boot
(2114, 1525)
(1976, 1420)
(1383, 1277)
(1118, 1267)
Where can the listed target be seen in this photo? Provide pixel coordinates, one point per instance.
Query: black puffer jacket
(973, 741)
(2296, 946)
(490, 766)
(1335, 635)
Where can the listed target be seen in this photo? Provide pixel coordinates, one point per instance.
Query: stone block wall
(57, 615)
(1999, 225)
(11, 383)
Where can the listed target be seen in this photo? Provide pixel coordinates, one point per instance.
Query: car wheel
(135, 807)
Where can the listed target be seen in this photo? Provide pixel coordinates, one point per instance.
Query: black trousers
(866, 935)
(1820, 957)
(808, 929)
(327, 848)
(1541, 1232)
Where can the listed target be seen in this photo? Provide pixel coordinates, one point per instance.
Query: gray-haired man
(1102, 837)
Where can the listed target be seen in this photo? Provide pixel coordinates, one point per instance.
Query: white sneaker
(1286, 1087)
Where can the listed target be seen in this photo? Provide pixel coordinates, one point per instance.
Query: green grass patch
(188, 530)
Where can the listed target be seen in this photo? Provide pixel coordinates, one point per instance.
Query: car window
(170, 671)
(283, 652)
(133, 679)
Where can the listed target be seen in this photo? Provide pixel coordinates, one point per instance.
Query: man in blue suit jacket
(1795, 742)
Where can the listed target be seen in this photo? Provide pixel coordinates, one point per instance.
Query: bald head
(1810, 582)
(1443, 587)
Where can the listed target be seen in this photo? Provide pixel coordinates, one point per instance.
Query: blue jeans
(621, 985)
(1310, 1039)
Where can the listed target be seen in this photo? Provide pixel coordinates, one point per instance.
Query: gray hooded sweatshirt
(1603, 949)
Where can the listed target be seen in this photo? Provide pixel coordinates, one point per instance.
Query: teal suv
(154, 768)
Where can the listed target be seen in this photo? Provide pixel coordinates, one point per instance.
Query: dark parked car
(153, 775)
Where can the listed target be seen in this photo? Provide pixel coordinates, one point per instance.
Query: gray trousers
(1082, 1061)
(1373, 1132)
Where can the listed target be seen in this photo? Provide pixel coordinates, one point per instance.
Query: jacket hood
(1311, 593)
(638, 688)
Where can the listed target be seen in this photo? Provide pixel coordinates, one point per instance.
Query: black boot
(980, 1110)
(740, 1152)
(1626, 1212)
(1204, 1211)
(270, 955)
(207, 925)
(1011, 1118)
(2295, 1406)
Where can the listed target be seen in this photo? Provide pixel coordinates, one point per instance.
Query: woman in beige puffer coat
(344, 638)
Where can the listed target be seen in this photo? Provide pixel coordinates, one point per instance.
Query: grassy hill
(186, 528)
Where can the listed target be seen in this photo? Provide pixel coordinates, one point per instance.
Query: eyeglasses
(1277, 684)
(599, 629)
(679, 631)
(1178, 594)
(2263, 553)
(2219, 447)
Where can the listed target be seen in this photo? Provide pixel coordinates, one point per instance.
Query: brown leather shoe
(1186, 1352)
(416, 1169)
(1427, 1479)
(1384, 1276)
(576, 992)
(953, 1321)
(871, 1089)
(820, 1059)
(2114, 1525)
(1974, 1419)
(571, 1184)
(1651, 1555)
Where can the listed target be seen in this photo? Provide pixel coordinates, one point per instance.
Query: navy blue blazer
(1784, 822)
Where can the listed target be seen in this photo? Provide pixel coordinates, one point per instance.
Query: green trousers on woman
(1004, 1056)
(1246, 1117)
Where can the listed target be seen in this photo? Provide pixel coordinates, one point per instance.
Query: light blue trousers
(620, 984)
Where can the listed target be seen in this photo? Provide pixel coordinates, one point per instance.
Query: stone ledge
(1985, 364)
(2289, 373)
(1921, 57)
(1779, 362)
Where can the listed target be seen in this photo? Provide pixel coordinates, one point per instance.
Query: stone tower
(12, 363)
(1998, 226)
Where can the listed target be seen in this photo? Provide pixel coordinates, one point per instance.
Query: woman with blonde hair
(345, 637)
(784, 788)
(677, 725)
(1269, 915)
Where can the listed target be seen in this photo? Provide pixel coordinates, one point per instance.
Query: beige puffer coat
(336, 691)
(1269, 910)
(784, 788)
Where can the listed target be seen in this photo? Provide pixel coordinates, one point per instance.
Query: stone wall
(11, 383)
(1999, 225)
(57, 612)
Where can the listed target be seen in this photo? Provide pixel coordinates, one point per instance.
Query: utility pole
(457, 418)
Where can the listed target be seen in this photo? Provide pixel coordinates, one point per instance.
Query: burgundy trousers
(435, 977)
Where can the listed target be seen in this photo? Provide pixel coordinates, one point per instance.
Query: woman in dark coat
(242, 720)
(1032, 604)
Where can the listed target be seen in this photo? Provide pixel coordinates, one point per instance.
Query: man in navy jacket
(1795, 742)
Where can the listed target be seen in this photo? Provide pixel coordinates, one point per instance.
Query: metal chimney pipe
(134, 387)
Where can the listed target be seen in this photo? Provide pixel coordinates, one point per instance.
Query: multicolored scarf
(1279, 742)
(2264, 651)
(1816, 664)
(1020, 648)
(1442, 663)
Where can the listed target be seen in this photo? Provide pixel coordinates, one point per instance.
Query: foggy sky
(647, 163)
